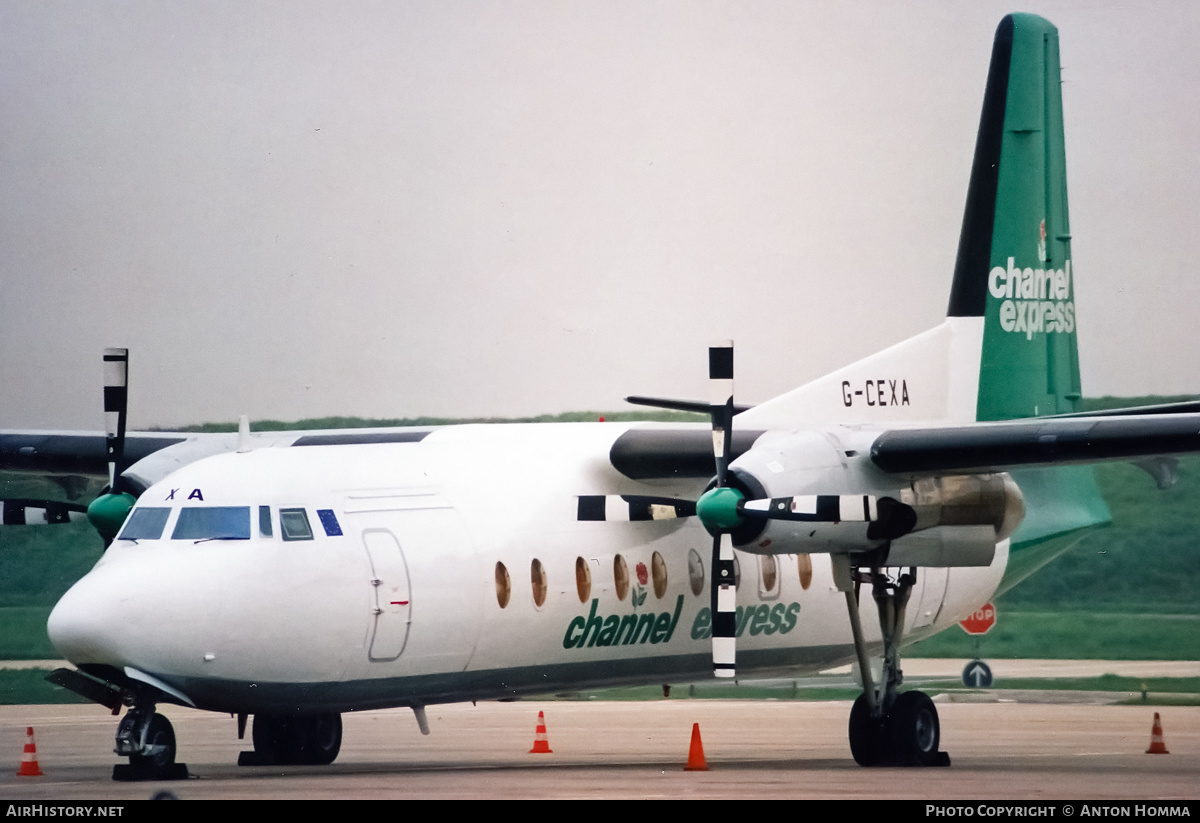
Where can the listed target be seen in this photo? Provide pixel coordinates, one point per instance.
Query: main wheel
(160, 739)
(316, 739)
(271, 738)
(913, 730)
(866, 734)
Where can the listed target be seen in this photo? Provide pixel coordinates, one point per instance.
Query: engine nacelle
(934, 521)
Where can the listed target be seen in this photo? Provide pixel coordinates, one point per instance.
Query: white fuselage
(404, 606)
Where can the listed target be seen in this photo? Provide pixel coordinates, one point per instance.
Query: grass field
(1073, 635)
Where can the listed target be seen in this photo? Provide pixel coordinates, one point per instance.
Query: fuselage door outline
(391, 598)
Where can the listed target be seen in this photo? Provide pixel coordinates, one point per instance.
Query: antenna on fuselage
(244, 444)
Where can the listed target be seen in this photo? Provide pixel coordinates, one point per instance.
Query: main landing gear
(282, 740)
(148, 740)
(887, 727)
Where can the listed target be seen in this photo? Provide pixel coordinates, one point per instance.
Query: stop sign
(981, 621)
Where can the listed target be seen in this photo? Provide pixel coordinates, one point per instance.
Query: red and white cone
(29, 764)
(1157, 746)
(541, 744)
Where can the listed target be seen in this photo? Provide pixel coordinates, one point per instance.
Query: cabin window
(212, 523)
(264, 521)
(804, 564)
(145, 523)
(768, 579)
(329, 522)
(583, 579)
(293, 524)
(537, 573)
(503, 585)
(658, 570)
(695, 572)
(621, 576)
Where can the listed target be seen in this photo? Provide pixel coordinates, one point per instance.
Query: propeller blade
(724, 607)
(107, 512)
(720, 380)
(887, 517)
(724, 585)
(116, 403)
(632, 507)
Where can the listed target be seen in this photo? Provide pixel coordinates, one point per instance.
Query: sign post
(977, 675)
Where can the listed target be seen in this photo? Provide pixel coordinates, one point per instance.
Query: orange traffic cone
(541, 745)
(29, 764)
(1157, 746)
(696, 753)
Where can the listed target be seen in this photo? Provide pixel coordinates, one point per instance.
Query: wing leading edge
(990, 447)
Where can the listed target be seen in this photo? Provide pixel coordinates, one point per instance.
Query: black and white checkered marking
(116, 401)
(819, 508)
(629, 507)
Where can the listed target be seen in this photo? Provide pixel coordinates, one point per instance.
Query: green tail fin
(1014, 257)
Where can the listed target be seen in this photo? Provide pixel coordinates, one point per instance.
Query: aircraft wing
(44, 467)
(988, 447)
(74, 453)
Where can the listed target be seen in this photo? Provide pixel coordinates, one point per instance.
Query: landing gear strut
(887, 727)
(148, 740)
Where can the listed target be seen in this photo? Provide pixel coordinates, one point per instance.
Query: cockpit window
(264, 521)
(145, 523)
(213, 523)
(293, 524)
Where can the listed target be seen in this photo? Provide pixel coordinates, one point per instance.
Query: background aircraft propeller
(107, 512)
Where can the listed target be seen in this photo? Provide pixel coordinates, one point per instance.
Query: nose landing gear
(148, 740)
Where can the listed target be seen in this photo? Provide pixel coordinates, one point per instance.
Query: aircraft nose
(85, 624)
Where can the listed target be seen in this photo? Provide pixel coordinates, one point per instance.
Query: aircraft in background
(296, 576)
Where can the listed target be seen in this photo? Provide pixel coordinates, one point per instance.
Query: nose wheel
(148, 740)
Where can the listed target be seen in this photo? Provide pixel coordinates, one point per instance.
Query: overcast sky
(296, 209)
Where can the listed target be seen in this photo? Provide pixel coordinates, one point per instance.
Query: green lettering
(593, 622)
(789, 618)
(662, 626)
(776, 619)
(646, 622)
(759, 621)
(609, 633)
(702, 625)
(570, 642)
(628, 629)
